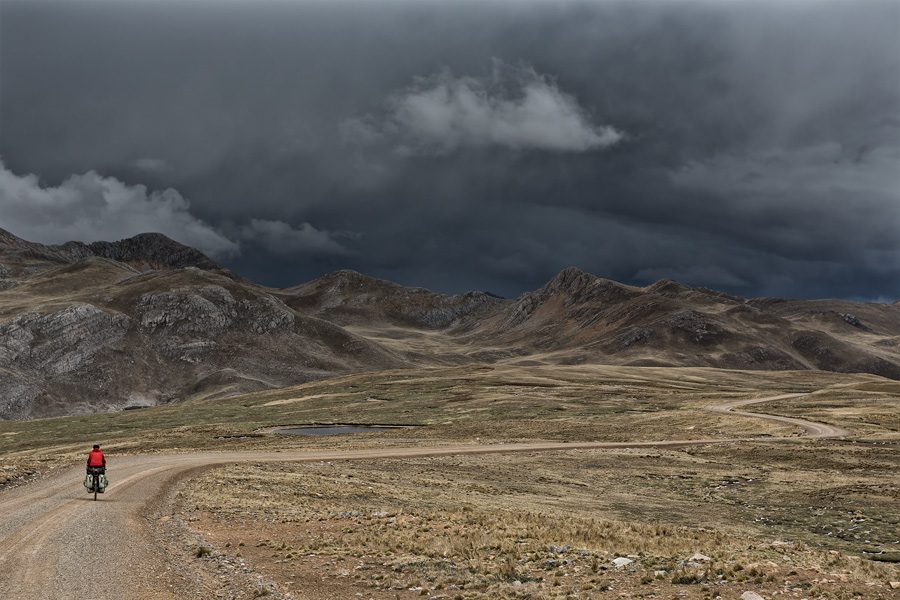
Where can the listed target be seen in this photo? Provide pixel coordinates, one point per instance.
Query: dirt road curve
(56, 543)
(812, 428)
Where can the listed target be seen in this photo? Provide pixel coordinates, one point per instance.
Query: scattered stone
(895, 585)
(697, 557)
(751, 596)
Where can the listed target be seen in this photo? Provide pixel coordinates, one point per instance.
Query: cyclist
(96, 462)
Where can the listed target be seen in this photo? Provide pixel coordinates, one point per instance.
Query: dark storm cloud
(759, 142)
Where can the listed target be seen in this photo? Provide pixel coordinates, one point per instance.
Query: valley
(584, 440)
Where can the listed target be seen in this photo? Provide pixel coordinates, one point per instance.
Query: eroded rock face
(59, 342)
(17, 395)
(188, 322)
(209, 311)
(450, 309)
(5, 282)
(699, 327)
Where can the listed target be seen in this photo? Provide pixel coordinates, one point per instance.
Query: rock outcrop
(100, 334)
(59, 342)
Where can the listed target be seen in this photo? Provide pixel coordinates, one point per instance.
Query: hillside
(85, 333)
(348, 297)
(578, 317)
(144, 321)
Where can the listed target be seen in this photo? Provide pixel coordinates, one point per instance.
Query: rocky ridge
(144, 321)
(146, 251)
(348, 297)
(99, 334)
(579, 317)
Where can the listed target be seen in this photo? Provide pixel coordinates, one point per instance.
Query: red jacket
(96, 459)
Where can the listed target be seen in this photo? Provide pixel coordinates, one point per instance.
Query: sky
(749, 147)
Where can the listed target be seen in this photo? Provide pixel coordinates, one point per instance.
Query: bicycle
(96, 481)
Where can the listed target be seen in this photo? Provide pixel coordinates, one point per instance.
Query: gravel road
(57, 543)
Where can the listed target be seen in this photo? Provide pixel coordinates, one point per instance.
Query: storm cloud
(515, 108)
(280, 238)
(749, 147)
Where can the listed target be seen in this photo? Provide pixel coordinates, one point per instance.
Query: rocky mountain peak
(8, 239)
(154, 250)
(351, 278)
(570, 280)
(143, 251)
(667, 287)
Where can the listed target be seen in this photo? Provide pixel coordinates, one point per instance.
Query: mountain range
(147, 321)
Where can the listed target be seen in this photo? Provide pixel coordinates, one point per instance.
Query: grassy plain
(795, 517)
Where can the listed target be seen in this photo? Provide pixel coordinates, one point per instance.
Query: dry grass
(499, 403)
(472, 527)
(538, 526)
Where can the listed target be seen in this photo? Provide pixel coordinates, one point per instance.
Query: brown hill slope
(579, 317)
(79, 335)
(347, 297)
(101, 326)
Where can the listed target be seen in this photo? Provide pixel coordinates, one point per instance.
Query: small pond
(334, 429)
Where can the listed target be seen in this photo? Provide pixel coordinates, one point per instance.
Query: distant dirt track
(812, 428)
(55, 543)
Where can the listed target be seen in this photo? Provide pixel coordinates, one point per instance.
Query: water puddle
(320, 430)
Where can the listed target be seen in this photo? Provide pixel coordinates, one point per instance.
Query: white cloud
(91, 207)
(515, 108)
(279, 237)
